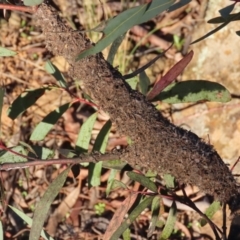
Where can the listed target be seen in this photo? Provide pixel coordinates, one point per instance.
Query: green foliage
(7, 156)
(99, 208)
(24, 101)
(29, 222)
(124, 21)
(132, 216)
(32, 2)
(169, 226)
(146, 182)
(194, 91)
(53, 70)
(43, 128)
(84, 135)
(211, 210)
(165, 90)
(44, 204)
(4, 52)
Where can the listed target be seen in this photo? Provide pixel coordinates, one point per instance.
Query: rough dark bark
(157, 144)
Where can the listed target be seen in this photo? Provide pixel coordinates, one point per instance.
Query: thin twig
(83, 159)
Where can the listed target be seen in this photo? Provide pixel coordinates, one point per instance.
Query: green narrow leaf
(42, 152)
(155, 208)
(24, 101)
(132, 216)
(1, 106)
(144, 82)
(133, 82)
(117, 184)
(127, 234)
(9, 157)
(42, 208)
(124, 21)
(114, 164)
(43, 128)
(101, 142)
(110, 180)
(4, 52)
(194, 91)
(95, 169)
(114, 47)
(53, 70)
(32, 2)
(146, 182)
(169, 180)
(169, 226)
(211, 210)
(29, 221)
(84, 135)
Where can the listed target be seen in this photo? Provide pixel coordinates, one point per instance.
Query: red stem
(18, 8)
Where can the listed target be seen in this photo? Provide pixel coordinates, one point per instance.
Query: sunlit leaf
(133, 82)
(111, 177)
(84, 135)
(29, 221)
(24, 101)
(169, 226)
(170, 76)
(211, 210)
(155, 209)
(146, 182)
(169, 180)
(127, 234)
(194, 91)
(124, 21)
(9, 157)
(43, 128)
(42, 207)
(117, 184)
(52, 69)
(32, 2)
(42, 152)
(4, 52)
(100, 145)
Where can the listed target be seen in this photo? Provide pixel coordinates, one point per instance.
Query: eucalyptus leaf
(120, 24)
(24, 101)
(42, 208)
(170, 223)
(4, 52)
(43, 128)
(29, 221)
(32, 2)
(194, 91)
